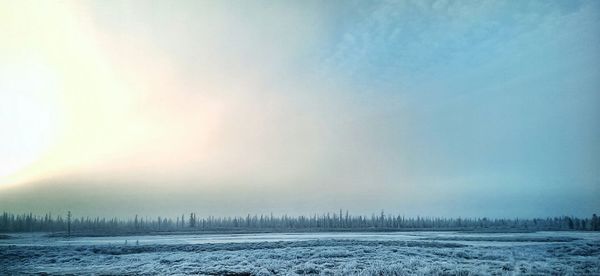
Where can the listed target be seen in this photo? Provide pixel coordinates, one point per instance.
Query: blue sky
(502, 97)
(449, 108)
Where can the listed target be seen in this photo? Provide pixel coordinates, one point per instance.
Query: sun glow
(30, 114)
(76, 99)
(58, 95)
(113, 103)
(37, 62)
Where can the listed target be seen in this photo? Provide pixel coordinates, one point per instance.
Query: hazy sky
(437, 108)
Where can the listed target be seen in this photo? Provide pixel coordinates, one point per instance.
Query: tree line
(337, 221)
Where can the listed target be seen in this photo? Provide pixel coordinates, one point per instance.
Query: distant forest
(337, 221)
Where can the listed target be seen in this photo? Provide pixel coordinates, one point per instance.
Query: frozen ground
(437, 253)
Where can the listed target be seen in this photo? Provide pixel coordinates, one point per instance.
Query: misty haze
(262, 137)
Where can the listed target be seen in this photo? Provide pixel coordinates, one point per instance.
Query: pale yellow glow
(57, 76)
(114, 105)
(29, 114)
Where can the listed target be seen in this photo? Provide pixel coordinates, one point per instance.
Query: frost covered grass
(504, 239)
(575, 256)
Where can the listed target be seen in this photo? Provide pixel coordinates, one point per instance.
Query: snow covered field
(437, 253)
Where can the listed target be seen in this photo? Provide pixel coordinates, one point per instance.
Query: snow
(403, 253)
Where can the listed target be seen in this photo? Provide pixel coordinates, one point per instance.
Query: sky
(430, 108)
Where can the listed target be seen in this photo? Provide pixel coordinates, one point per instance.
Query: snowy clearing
(437, 253)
